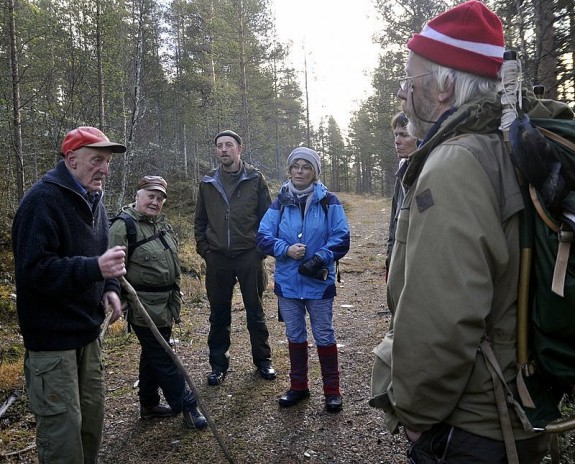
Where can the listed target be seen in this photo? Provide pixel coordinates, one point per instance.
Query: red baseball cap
(86, 136)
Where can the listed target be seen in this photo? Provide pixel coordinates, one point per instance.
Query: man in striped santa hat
(452, 281)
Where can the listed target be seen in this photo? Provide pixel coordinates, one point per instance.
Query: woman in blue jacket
(306, 230)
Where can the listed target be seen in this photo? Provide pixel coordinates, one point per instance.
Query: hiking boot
(151, 412)
(333, 403)
(194, 419)
(267, 372)
(216, 377)
(292, 397)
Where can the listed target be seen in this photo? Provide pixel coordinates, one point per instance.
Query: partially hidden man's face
(90, 166)
(419, 98)
(228, 152)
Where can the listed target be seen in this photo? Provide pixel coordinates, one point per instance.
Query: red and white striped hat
(468, 37)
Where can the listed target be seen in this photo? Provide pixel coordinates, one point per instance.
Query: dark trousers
(158, 370)
(444, 444)
(222, 273)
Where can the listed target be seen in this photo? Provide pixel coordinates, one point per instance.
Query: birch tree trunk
(547, 59)
(245, 124)
(137, 100)
(16, 116)
(101, 112)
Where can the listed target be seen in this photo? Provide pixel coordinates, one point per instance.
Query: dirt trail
(245, 407)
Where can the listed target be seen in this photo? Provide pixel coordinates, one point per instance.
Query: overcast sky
(337, 39)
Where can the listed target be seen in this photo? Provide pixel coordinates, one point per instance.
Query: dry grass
(11, 376)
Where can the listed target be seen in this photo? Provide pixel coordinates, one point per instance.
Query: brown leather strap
(557, 138)
(565, 238)
(541, 211)
(560, 270)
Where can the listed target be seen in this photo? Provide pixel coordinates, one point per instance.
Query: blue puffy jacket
(324, 230)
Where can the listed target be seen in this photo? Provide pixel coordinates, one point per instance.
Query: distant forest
(165, 76)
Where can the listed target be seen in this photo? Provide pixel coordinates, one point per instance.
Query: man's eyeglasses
(404, 83)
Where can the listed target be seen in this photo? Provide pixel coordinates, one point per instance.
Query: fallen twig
(14, 453)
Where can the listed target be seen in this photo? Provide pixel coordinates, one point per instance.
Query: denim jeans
(66, 393)
(293, 312)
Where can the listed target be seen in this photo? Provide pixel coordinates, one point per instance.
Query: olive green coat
(452, 281)
(152, 267)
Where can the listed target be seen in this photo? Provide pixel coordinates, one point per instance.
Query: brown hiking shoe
(152, 412)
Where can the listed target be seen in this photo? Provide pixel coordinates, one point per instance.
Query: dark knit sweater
(56, 239)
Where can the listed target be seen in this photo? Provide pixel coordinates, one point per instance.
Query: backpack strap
(504, 399)
(324, 205)
(564, 238)
(507, 396)
(324, 201)
(557, 138)
(500, 387)
(131, 232)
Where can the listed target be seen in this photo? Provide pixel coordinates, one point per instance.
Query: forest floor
(244, 409)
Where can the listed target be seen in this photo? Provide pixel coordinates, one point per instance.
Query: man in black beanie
(232, 200)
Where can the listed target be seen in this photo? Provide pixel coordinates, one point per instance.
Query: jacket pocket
(46, 385)
(157, 306)
(402, 226)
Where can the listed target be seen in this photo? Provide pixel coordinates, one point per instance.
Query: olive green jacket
(153, 269)
(453, 281)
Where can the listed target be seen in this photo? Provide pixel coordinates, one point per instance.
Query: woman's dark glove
(313, 268)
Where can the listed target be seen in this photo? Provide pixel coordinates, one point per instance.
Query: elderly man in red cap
(455, 263)
(66, 277)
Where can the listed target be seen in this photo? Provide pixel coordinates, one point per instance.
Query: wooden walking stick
(106, 324)
(137, 304)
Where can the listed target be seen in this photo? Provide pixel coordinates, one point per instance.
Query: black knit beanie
(229, 133)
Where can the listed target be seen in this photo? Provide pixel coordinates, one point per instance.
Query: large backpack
(543, 152)
(548, 229)
(542, 142)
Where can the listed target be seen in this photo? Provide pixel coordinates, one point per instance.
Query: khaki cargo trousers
(66, 393)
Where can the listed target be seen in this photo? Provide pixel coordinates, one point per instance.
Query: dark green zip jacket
(230, 226)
